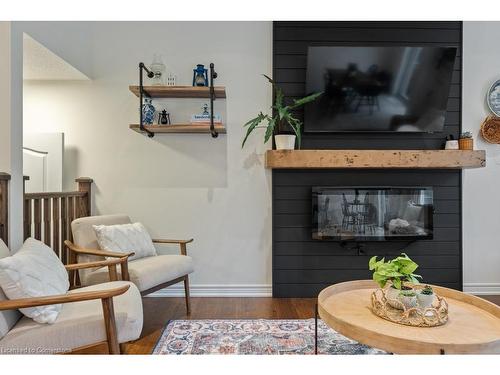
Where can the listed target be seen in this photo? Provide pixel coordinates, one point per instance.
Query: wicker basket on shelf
(490, 129)
(466, 144)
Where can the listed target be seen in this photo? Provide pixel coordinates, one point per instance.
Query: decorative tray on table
(410, 314)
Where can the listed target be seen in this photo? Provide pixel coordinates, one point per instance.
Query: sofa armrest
(103, 253)
(62, 298)
(181, 243)
(159, 240)
(110, 263)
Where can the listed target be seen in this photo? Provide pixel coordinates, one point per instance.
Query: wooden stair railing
(4, 207)
(48, 215)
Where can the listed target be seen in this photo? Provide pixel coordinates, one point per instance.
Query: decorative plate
(493, 98)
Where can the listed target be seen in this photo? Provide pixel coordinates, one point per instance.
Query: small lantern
(200, 76)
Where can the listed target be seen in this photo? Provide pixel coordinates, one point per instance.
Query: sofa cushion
(78, 324)
(124, 238)
(34, 271)
(148, 272)
(9, 317)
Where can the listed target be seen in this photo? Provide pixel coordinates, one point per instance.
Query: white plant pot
(408, 302)
(425, 300)
(393, 298)
(285, 142)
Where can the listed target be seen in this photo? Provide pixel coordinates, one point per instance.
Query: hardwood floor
(158, 311)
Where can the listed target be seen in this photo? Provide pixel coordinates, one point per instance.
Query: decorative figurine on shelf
(158, 68)
(200, 76)
(204, 117)
(171, 79)
(205, 110)
(148, 111)
(164, 118)
(451, 143)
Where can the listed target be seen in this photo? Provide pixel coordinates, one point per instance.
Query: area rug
(254, 337)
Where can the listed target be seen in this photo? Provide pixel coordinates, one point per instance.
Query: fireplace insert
(372, 213)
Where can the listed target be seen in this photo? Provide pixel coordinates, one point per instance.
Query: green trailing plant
(398, 271)
(282, 115)
(466, 135)
(427, 290)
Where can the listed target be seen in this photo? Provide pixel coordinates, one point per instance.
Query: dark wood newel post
(4, 206)
(26, 211)
(85, 185)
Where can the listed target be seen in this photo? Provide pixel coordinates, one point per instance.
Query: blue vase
(148, 111)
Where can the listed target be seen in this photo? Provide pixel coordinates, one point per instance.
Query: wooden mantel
(411, 159)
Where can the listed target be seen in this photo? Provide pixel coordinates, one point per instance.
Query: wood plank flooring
(158, 311)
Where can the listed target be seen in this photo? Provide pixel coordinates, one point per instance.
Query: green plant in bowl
(425, 297)
(397, 271)
(427, 290)
(408, 293)
(408, 298)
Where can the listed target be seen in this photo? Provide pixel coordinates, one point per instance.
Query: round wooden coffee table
(473, 326)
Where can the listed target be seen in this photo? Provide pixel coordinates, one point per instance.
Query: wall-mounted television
(372, 213)
(378, 88)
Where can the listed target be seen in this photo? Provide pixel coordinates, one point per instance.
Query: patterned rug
(254, 337)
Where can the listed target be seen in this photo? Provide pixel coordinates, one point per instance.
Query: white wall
(70, 40)
(481, 198)
(179, 186)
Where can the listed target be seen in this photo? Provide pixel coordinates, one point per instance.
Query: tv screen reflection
(402, 89)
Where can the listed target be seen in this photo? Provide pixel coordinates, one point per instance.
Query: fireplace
(372, 213)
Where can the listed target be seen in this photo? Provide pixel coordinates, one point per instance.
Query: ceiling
(39, 63)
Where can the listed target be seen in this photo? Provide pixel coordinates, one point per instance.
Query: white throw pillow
(34, 271)
(125, 238)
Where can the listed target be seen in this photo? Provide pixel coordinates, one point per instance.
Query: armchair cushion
(124, 238)
(34, 271)
(84, 234)
(78, 324)
(9, 317)
(147, 273)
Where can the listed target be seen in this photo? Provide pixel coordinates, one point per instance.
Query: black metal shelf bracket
(143, 93)
(213, 75)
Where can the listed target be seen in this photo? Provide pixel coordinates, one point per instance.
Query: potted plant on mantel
(396, 271)
(282, 115)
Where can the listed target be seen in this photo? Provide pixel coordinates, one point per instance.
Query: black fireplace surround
(302, 265)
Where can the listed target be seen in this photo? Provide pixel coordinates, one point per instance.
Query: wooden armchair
(148, 274)
(77, 327)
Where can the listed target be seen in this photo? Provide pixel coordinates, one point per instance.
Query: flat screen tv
(372, 213)
(378, 89)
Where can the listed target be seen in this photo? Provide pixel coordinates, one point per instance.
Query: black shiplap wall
(301, 266)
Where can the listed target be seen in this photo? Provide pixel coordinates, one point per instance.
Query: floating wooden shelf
(411, 159)
(180, 91)
(179, 128)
